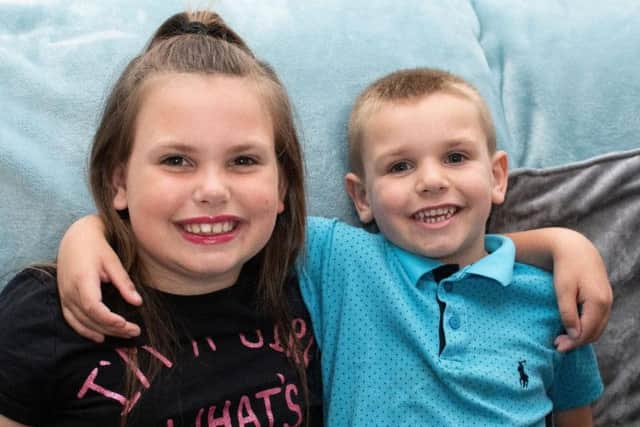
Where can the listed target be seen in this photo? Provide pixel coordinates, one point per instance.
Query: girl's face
(201, 186)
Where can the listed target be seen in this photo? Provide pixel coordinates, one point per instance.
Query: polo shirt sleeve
(577, 380)
(313, 267)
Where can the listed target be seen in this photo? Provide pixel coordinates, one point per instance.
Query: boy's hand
(84, 260)
(580, 276)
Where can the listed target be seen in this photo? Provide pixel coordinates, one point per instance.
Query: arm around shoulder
(580, 278)
(85, 259)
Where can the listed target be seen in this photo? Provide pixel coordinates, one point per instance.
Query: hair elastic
(195, 27)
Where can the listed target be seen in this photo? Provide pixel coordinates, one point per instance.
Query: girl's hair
(200, 42)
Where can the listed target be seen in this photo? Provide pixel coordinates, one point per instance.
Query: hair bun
(203, 22)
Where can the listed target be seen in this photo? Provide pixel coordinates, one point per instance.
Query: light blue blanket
(560, 77)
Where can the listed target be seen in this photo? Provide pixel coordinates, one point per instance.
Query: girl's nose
(212, 187)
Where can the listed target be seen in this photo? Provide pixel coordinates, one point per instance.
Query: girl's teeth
(216, 228)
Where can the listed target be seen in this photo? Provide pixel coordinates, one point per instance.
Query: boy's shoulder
(338, 233)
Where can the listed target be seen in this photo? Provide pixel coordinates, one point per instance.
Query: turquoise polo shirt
(376, 315)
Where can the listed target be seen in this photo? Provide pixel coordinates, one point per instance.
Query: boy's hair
(406, 86)
(201, 43)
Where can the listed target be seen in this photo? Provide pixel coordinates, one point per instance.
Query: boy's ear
(119, 183)
(355, 186)
(500, 172)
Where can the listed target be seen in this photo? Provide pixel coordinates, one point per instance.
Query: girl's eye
(399, 167)
(244, 161)
(175, 161)
(455, 158)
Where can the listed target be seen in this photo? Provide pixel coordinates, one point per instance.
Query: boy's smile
(436, 216)
(429, 179)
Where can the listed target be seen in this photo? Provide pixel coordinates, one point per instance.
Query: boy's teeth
(215, 228)
(431, 216)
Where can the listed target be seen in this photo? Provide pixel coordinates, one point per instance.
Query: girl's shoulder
(32, 292)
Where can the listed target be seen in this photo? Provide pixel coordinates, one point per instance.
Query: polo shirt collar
(497, 265)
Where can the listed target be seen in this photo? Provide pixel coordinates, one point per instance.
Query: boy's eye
(455, 158)
(399, 167)
(175, 161)
(244, 161)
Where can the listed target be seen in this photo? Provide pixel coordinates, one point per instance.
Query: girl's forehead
(188, 108)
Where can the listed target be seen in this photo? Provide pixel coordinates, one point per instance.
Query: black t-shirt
(230, 369)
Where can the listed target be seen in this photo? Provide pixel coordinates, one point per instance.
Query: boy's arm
(579, 276)
(574, 417)
(84, 260)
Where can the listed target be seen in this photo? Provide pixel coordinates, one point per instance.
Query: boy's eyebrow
(394, 152)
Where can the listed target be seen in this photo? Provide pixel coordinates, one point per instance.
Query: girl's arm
(6, 422)
(579, 276)
(85, 259)
(574, 417)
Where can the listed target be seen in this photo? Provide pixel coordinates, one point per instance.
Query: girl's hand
(580, 280)
(85, 259)
(580, 276)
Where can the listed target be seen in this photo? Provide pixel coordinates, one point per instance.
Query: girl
(196, 172)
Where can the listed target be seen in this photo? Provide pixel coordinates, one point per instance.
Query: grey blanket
(601, 199)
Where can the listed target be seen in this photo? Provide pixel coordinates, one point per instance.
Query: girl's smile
(210, 230)
(202, 185)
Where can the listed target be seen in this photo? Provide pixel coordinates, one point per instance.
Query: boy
(444, 329)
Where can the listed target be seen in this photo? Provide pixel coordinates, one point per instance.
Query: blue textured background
(560, 77)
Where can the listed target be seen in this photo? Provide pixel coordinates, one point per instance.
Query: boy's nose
(431, 180)
(211, 188)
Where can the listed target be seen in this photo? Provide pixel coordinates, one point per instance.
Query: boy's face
(429, 179)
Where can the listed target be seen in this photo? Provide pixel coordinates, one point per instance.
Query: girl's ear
(357, 190)
(500, 172)
(119, 183)
(283, 187)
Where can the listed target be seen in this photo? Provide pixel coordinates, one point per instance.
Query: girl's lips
(209, 230)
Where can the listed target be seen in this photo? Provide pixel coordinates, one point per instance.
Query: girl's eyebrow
(176, 146)
(188, 148)
(247, 146)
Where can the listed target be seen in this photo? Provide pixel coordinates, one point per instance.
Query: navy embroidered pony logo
(524, 378)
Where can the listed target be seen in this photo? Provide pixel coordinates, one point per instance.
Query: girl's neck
(177, 281)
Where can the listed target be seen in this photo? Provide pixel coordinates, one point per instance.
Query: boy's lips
(436, 214)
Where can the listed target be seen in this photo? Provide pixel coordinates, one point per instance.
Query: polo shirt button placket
(448, 286)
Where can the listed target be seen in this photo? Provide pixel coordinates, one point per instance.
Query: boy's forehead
(419, 109)
(451, 119)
